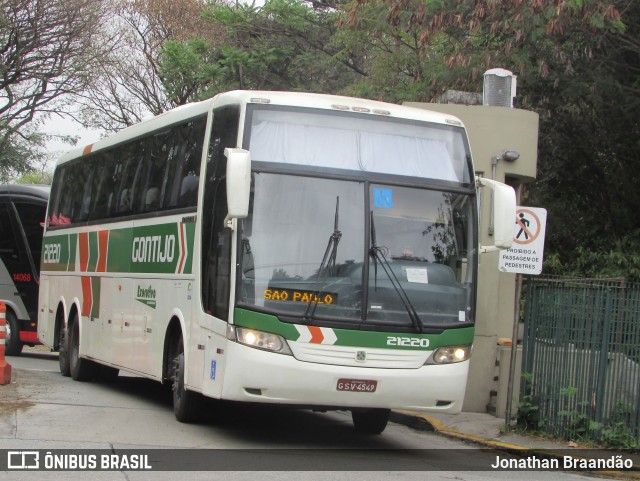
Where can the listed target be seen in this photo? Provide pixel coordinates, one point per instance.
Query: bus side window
(9, 247)
(130, 165)
(89, 192)
(104, 204)
(150, 182)
(184, 161)
(32, 216)
(176, 146)
(54, 199)
(72, 195)
(216, 238)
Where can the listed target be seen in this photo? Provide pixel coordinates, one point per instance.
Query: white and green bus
(272, 247)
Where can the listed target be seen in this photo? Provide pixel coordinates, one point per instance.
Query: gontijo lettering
(153, 248)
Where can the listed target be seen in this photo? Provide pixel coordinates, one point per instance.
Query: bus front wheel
(185, 403)
(13, 346)
(370, 421)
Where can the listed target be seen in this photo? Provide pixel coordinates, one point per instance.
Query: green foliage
(615, 433)
(282, 45)
(22, 155)
(577, 422)
(622, 261)
(577, 62)
(576, 415)
(188, 69)
(528, 417)
(36, 177)
(619, 436)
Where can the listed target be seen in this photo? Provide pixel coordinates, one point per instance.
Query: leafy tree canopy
(577, 61)
(281, 45)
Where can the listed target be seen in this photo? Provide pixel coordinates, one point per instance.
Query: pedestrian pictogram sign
(525, 255)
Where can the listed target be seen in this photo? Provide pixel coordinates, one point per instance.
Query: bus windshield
(309, 243)
(360, 143)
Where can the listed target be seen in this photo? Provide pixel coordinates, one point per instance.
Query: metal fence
(581, 359)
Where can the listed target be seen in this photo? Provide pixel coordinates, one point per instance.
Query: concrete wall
(492, 130)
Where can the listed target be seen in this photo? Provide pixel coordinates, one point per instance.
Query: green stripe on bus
(59, 252)
(354, 337)
(93, 251)
(119, 250)
(72, 242)
(190, 229)
(96, 283)
(154, 249)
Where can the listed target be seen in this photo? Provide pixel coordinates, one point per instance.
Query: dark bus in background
(22, 214)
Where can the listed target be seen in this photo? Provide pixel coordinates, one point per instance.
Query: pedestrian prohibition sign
(525, 255)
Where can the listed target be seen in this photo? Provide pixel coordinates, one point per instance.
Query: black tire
(63, 352)
(81, 369)
(186, 404)
(13, 346)
(370, 421)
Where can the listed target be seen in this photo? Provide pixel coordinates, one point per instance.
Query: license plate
(357, 385)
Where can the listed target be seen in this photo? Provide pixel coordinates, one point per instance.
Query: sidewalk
(486, 430)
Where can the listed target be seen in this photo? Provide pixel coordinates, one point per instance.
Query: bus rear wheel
(370, 421)
(186, 403)
(13, 346)
(81, 369)
(63, 352)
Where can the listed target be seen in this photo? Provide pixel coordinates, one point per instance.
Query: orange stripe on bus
(103, 243)
(87, 296)
(316, 335)
(83, 241)
(183, 244)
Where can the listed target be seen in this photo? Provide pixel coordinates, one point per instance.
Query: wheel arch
(15, 308)
(73, 311)
(9, 308)
(60, 323)
(175, 330)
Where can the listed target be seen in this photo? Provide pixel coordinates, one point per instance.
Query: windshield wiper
(328, 260)
(377, 253)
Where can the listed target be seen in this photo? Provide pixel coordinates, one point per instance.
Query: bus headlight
(262, 340)
(449, 355)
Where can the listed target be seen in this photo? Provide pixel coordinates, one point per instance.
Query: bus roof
(26, 190)
(293, 99)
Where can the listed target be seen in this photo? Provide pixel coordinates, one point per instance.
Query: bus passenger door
(31, 217)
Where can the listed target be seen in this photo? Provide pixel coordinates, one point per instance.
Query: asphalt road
(46, 412)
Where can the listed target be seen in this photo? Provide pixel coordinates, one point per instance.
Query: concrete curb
(429, 423)
(441, 428)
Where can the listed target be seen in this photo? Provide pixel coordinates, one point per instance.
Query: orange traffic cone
(5, 367)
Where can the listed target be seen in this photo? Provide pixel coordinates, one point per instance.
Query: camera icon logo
(23, 460)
